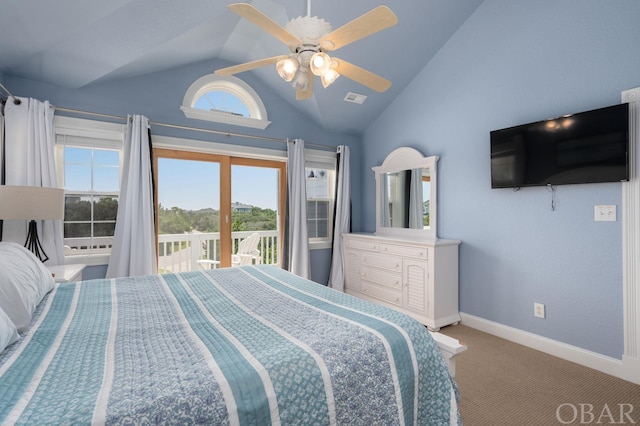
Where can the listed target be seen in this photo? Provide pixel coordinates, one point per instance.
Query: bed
(249, 345)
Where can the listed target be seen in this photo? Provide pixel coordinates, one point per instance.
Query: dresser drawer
(380, 261)
(409, 251)
(383, 294)
(362, 244)
(381, 277)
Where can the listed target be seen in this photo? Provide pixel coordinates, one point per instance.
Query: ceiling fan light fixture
(287, 68)
(329, 77)
(308, 38)
(320, 63)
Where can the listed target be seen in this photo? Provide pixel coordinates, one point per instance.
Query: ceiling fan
(309, 38)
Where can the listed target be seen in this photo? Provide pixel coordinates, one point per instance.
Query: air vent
(356, 98)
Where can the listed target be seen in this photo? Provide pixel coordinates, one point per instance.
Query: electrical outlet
(538, 310)
(605, 213)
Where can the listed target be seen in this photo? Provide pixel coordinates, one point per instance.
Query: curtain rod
(176, 126)
(15, 100)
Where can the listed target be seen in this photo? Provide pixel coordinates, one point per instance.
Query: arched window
(225, 99)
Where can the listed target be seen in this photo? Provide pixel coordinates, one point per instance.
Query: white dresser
(419, 278)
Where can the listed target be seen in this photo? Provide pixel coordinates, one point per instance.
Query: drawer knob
(397, 299)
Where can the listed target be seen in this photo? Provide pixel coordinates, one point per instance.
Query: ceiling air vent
(356, 98)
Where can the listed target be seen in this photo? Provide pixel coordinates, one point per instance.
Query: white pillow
(8, 332)
(24, 281)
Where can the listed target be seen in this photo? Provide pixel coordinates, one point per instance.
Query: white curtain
(30, 161)
(342, 220)
(415, 200)
(297, 244)
(134, 250)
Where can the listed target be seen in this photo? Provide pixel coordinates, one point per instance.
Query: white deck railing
(181, 252)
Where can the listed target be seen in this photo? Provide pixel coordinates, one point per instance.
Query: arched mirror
(406, 184)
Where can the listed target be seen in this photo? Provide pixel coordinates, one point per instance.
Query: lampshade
(287, 68)
(31, 203)
(320, 63)
(329, 77)
(301, 79)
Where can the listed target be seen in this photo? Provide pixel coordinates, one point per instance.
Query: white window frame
(324, 160)
(89, 134)
(212, 82)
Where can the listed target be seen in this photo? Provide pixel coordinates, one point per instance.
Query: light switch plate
(605, 213)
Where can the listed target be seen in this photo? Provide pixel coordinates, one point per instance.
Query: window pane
(105, 208)
(77, 177)
(311, 229)
(322, 229)
(106, 179)
(77, 155)
(222, 101)
(104, 229)
(77, 230)
(77, 208)
(102, 157)
(311, 209)
(322, 209)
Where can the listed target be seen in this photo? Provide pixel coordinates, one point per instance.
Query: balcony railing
(181, 252)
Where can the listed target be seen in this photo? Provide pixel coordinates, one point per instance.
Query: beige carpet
(503, 383)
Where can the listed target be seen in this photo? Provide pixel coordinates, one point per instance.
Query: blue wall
(159, 96)
(512, 63)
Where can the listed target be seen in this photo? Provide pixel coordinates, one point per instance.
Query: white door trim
(630, 217)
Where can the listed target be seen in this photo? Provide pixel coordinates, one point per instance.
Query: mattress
(250, 345)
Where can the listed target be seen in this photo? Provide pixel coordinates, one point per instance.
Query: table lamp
(31, 203)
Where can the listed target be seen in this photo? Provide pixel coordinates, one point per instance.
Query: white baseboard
(626, 370)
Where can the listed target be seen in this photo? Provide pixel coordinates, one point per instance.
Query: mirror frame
(405, 158)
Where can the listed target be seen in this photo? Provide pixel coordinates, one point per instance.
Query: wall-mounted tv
(586, 147)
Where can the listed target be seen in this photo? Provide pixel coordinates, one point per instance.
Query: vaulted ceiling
(77, 43)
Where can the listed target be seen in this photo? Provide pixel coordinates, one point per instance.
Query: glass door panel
(188, 196)
(255, 208)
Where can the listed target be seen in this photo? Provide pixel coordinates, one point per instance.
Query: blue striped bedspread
(251, 345)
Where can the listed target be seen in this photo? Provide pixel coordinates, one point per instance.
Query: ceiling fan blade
(362, 76)
(253, 15)
(306, 94)
(371, 22)
(247, 66)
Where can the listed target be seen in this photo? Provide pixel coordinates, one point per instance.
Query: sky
(187, 184)
(193, 185)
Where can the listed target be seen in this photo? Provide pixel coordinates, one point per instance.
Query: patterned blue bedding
(249, 345)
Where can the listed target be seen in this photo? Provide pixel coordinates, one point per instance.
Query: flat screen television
(587, 147)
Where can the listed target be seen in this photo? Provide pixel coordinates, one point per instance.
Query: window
(200, 221)
(89, 157)
(225, 99)
(318, 203)
(320, 184)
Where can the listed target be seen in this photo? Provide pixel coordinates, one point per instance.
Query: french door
(206, 204)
